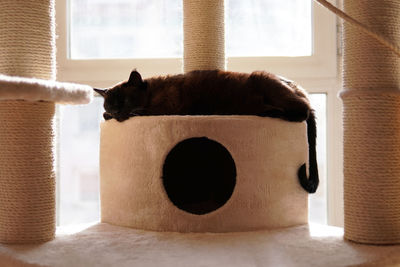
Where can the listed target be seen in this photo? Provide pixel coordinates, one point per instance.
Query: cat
(216, 92)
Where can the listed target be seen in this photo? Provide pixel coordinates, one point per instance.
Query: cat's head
(129, 96)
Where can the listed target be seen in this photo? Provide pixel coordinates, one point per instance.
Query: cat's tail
(310, 184)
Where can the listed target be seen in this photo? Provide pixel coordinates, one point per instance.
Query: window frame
(317, 73)
(322, 63)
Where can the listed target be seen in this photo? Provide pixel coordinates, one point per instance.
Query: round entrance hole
(199, 175)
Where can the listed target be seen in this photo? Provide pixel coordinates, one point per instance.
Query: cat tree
(108, 245)
(266, 152)
(204, 49)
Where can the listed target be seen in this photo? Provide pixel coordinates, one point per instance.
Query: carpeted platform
(107, 245)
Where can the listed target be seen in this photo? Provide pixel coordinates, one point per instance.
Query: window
(125, 29)
(78, 171)
(101, 41)
(287, 23)
(153, 29)
(109, 68)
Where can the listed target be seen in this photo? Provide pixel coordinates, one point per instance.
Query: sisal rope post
(371, 116)
(27, 180)
(204, 35)
(27, 43)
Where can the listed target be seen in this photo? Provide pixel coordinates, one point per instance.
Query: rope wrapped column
(204, 35)
(27, 180)
(27, 43)
(371, 100)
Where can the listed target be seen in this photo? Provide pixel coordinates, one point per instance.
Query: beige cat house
(240, 171)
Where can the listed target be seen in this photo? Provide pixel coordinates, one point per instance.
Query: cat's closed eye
(113, 104)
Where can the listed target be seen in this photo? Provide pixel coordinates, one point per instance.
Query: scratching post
(27, 109)
(371, 99)
(27, 206)
(204, 35)
(27, 43)
(27, 177)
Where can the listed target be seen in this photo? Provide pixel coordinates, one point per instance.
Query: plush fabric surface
(107, 245)
(19, 88)
(267, 152)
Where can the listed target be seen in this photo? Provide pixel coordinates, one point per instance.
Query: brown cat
(215, 92)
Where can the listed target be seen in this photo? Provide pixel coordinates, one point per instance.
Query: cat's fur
(215, 92)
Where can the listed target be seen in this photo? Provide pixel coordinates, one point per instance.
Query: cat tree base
(267, 154)
(104, 245)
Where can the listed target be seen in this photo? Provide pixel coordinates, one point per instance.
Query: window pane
(79, 162)
(153, 28)
(125, 29)
(78, 184)
(269, 28)
(318, 200)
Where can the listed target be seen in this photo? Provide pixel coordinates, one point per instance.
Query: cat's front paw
(107, 116)
(121, 118)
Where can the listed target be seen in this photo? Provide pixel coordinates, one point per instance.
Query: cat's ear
(135, 78)
(101, 92)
